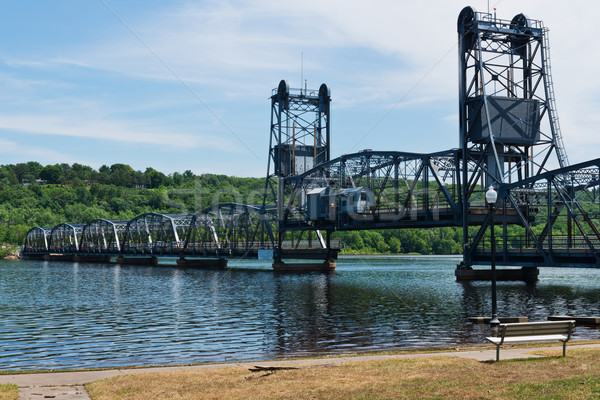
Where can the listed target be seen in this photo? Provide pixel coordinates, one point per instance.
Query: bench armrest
(571, 328)
(499, 339)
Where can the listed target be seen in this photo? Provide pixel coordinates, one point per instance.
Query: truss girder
(408, 190)
(558, 214)
(103, 236)
(223, 230)
(37, 240)
(155, 233)
(65, 238)
(230, 230)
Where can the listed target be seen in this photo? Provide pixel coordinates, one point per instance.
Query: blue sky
(178, 85)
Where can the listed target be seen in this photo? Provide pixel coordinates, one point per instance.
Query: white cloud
(29, 152)
(118, 131)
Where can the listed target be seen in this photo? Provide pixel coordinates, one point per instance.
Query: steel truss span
(226, 230)
(65, 238)
(102, 235)
(557, 216)
(230, 230)
(155, 234)
(375, 190)
(366, 190)
(37, 240)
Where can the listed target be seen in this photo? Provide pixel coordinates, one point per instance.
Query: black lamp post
(490, 197)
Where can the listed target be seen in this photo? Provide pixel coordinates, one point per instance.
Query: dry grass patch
(9, 392)
(575, 377)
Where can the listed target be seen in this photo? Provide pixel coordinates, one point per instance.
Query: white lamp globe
(491, 195)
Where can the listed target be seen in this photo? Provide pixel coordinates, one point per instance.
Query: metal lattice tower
(299, 130)
(508, 122)
(300, 137)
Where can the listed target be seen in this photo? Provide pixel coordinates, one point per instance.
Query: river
(59, 315)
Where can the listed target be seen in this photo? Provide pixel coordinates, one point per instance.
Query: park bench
(533, 332)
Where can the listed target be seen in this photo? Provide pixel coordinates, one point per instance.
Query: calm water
(75, 315)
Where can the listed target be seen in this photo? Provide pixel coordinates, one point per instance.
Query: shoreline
(479, 353)
(367, 354)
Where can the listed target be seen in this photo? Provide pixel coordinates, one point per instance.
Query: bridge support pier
(206, 263)
(325, 266)
(525, 274)
(137, 260)
(59, 257)
(92, 259)
(33, 256)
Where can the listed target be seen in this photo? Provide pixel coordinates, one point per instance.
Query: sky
(184, 85)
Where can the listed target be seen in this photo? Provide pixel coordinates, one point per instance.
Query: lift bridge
(509, 139)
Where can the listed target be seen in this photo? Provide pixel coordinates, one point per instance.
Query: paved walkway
(69, 385)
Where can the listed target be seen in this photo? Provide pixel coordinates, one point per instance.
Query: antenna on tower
(301, 70)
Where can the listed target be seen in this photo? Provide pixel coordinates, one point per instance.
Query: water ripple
(75, 315)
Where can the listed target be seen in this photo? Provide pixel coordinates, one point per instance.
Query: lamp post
(490, 197)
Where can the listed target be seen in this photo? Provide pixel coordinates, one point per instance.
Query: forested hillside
(35, 195)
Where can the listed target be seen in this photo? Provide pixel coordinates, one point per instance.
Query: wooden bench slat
(540, 338)
(523, 332)
(539, 323)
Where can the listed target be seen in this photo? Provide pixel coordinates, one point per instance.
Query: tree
(21, 170)
(8, 175)
(177, 178)
(67, 173)
(51, 174)
(188, 176)
(155, 179)
(35, 168)
(122, 175)
(354, 240)
(82, 172)
(395, 245)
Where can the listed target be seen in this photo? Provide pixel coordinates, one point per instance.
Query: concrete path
(69, 385)
(53, 392)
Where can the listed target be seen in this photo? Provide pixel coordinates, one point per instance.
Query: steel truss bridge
(509, 137)
(224, 231)
(408, 191)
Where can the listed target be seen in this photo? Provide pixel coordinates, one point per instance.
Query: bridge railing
(562, 243)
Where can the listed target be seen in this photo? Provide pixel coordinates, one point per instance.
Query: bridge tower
(509, 128)
(299, 141)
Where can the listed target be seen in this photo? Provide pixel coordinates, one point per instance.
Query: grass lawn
(9, 392)
(576, 376)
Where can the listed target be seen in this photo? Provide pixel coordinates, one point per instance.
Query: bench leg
(497, 353)
(564, 349)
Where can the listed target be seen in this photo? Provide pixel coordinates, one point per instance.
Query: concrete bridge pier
(137, 260)
(92, 258)
(33, 256)
(526, 274)
(59, 257)
(204, 263)
(325, 266)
